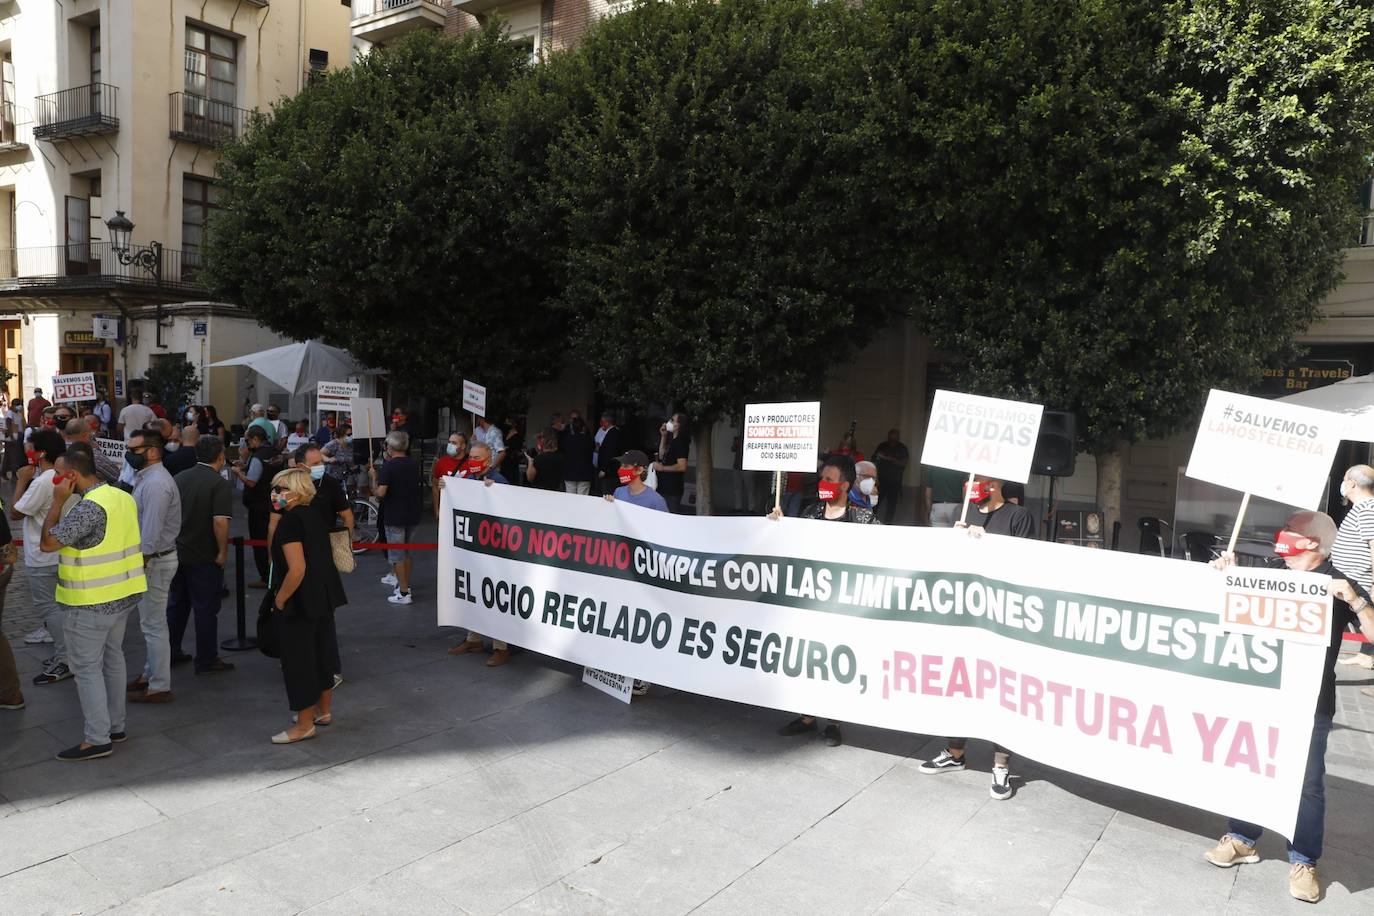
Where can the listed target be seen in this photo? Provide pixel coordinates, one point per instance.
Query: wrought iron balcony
(16, 127)
(379, 20)
(205, 121)
(90, 109)
(96, 265)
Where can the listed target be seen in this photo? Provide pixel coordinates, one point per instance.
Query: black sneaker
(832, 735)
(1001, 783)
(943, 762)
(118, 737)
(51, 674)
(78, 752)
(798, 726)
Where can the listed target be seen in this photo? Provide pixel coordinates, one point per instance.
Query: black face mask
(136, 461)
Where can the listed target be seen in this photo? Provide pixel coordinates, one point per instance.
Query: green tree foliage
(384, 210)
(174, 380)
(1124, 203)
(724, 238)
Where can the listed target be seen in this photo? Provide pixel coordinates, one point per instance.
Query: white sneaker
(390, 579)
(38, 636)
(398, 598)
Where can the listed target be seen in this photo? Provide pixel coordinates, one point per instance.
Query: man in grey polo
(159, 523)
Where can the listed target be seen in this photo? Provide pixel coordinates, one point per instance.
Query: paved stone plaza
(447, 787)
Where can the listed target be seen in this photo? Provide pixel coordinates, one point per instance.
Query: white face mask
(866, 486)
(452, 450)
(173, 446)
(670, 427)
(873, 501)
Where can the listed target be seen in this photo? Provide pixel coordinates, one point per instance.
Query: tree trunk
(704, 465)
(1109, 490)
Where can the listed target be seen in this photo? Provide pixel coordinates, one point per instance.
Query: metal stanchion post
(241, 642)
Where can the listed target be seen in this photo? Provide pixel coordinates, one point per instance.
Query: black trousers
(309, 652)
(891, 493)
(259, 514)
(195, 590)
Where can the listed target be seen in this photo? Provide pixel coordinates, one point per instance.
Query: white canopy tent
(300, 367)
(1353, 397)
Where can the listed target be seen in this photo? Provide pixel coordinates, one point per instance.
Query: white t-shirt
(34, 504)
(133, 418)
(296, 440)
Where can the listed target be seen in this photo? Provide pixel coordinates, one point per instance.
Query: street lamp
(121, 231)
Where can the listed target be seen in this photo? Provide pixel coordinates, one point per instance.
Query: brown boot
(498, 658)
(465, 647)
(162, 696)
(137, 685)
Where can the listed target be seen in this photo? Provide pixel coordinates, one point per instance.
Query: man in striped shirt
(1353, 552)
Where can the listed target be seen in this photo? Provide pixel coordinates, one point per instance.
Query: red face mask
(93, 422)
(471, 468)
(1286, 543)
(628, 475)
(978, 491)
(50, 422)
(828, 491)
(31, 455)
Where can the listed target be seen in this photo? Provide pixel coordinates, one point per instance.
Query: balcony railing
(380, 20)
(204, 121)
(90, 109)
(16, 127)
(95, 265)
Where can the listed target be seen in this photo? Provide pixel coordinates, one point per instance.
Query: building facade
(112, 110)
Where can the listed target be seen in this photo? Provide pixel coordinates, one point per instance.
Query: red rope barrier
(360, 545)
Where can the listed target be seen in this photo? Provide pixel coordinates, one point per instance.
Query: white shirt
(296, 440)
(34, 505)
(281, 429)
(133, 418)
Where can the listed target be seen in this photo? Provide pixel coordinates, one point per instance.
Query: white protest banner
(1266, 448)
(474, 398)
(113, 449)
(336, 395)
(368, 418)
(1294, 606)
(609, 683)
(992, 436)
(74, 386)
(1107, 664)
(782, 437)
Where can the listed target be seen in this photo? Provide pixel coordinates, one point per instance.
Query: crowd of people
(102, 540)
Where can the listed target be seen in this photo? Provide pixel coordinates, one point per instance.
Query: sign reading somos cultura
(1107, 664)
(992, 436)
(1279, 451)
(782, 437)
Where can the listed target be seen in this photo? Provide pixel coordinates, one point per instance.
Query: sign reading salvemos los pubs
(1111, 665)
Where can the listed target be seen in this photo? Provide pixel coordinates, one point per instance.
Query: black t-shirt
(1008, 518)
(1341, 619)
(401, 477)
(671, 483)
(182, 459)
(329, 500)
(548, 470)
(321, 591)
(577, 455)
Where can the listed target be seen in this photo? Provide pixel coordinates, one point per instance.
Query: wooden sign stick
(968, 491)
(777, 491)
(1235, 532)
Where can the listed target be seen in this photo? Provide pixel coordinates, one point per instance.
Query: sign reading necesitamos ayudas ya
(1113, 665)
(1267, 448)
(992, 436)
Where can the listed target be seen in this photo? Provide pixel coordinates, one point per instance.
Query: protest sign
(991, 436)
(113, 449)
(74, 386)
(474, 398)
(1295, 606)
(609, 683)
(1265, 448)
(1112, 665)
(336, 395)
(368, 418)
(782, 437)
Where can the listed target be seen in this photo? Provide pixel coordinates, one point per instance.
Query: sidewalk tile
(30, 837)
(57, 886)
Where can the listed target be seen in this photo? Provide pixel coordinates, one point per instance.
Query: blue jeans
(196, 589)
(1306, 846)
(95, 653)
(43, 594)
(152, 615)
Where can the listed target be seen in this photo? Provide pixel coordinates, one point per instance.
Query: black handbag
(269, 632)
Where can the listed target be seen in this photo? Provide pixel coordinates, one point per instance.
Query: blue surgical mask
(317, 472)
(348, 440)
(452, 450)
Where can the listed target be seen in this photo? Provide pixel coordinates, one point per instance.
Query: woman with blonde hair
(306, 590)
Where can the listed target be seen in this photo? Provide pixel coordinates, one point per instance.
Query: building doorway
(97, 360)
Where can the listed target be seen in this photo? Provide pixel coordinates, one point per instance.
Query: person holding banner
(632, 468)
(995, 516)
(1353, 553)
(1305, 543)
(837, 479)
(479, 467)
(446, 465)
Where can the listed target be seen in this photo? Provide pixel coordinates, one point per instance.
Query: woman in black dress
(306, 589)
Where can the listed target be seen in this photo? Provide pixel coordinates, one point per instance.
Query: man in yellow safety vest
(99, 581)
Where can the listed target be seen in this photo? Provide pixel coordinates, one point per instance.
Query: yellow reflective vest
(112, 569)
